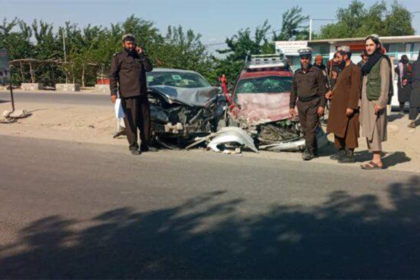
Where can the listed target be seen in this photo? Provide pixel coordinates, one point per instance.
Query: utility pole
(413, 14)
(64, 50)
(311, 24)
(310, 29)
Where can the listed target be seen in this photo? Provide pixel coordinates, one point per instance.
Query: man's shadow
(395, 117)
(395, 158)
(327, 150)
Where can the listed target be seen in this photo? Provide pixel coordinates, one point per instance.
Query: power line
(278, 30)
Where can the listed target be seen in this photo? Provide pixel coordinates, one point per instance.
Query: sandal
(371, 166)
(412, 125)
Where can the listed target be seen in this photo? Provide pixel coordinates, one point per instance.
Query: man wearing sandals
(375, 91)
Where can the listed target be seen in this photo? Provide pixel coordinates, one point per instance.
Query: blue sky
(215, 19)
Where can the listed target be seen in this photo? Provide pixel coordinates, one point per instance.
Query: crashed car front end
(261, 107)
(184, 113)
(283, 135)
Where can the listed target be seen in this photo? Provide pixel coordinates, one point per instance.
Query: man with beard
(376, 86)
(335, 68)
(128, 78)
(308, 94)
(343, 119)
(415, 93)
(403, 70)
(362, 62)
(319, 63)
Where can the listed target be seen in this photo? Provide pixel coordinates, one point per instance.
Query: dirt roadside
(96, 124)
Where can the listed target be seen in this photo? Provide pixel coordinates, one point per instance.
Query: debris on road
(232, 136)
(226, 137)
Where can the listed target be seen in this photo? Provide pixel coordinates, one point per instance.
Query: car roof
(173, 70)
(257, 74)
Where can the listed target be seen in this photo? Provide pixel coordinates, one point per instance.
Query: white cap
(344, 49)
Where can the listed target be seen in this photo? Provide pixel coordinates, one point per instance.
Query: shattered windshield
(270, 84)
(176, 79)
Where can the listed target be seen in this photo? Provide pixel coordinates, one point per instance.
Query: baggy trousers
(309, 121)
(414, 112)
(350, 140)
(137, 116)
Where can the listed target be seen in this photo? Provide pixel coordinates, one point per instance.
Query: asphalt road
(71, 210)
(58, 98)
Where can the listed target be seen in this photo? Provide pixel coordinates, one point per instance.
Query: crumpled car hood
(259, 108)
(189, 96)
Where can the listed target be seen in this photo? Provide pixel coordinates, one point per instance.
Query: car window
(176, 79)
(271, 84)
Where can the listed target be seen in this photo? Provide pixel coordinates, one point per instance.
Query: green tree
(398, 21)
(241, 45)
(146, 34)
(291, 27)
(358, 21)
(184, 50)
(15, 36)
(46, 47)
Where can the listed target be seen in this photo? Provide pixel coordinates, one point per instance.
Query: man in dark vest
(415, 93)
(128, 78)
(376, 89)
(308, 94)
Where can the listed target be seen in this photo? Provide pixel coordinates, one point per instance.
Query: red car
(260, 104)
(262, 96)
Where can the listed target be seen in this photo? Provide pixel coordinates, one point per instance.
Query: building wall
(394, 50)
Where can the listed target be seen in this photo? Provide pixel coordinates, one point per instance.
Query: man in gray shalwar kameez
(375, 92)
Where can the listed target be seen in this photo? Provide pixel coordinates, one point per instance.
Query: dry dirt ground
(96, 124)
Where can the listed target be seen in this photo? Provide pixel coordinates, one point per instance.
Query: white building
(396, 46)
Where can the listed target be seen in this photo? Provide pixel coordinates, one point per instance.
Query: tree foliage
(292, 27)
(358, 21)
(89, 50)
(239, 46)
(184, 50)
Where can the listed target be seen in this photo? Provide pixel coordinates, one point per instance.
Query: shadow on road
(394, 117)
(345, 237)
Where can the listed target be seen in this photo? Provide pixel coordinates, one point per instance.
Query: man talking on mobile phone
(128, 79)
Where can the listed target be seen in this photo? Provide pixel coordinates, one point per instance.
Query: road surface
(72, 210)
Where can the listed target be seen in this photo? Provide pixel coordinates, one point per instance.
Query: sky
(214, 20)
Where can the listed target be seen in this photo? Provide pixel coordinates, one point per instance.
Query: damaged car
(260, 105)
(183, 106)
